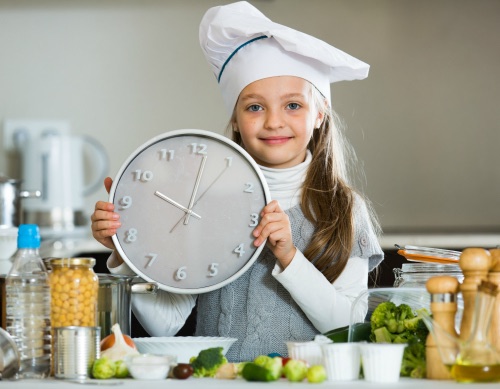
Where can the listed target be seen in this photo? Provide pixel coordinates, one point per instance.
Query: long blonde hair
(327, 194)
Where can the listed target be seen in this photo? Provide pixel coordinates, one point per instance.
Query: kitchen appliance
(65, 168)
(10, 201)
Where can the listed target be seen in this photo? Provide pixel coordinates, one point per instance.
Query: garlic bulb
(120, 348)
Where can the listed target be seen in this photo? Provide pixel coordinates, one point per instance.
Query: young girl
(321, 243)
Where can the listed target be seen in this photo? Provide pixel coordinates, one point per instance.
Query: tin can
(74, 291)
(75, 350)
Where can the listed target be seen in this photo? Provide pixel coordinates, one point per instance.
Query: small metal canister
(75, 350)
(74, 290)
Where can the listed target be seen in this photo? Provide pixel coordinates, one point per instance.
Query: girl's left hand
(275, 227)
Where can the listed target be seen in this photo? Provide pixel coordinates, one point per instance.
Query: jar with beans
(74, 290)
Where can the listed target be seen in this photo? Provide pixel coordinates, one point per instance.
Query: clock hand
(176, 204)
(203, 194)
(195, 189)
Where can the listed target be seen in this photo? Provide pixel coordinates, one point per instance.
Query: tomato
(109, 341)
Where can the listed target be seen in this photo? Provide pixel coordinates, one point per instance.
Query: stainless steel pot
(10, 201)
(114, 300)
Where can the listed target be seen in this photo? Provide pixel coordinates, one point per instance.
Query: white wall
(425, 123)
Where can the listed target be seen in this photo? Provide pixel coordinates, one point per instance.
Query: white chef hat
(242, 46)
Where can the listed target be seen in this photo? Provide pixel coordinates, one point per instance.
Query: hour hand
(176, 204)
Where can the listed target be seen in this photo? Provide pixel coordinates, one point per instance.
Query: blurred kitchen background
(425, 124)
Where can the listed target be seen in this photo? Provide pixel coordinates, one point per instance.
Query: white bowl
(149, 366)
(183, 347)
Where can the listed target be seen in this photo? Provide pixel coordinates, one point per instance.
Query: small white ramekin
(381, 361)
(309, 352)
(342, 361)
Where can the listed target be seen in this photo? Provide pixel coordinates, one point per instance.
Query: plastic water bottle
(28, 305)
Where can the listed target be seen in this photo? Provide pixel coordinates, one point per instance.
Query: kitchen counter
(445, 241)
(87, 244)
(202, 383)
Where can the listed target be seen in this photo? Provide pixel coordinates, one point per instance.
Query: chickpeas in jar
(74, 290)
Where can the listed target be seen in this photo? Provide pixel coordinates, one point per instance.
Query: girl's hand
(104, 220)
(275, 227)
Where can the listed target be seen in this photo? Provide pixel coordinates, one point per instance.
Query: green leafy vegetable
(391, 323)
(207, 362)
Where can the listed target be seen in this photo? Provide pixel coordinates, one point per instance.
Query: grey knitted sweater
(258, 311)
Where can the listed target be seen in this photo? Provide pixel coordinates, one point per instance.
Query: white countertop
(202, 383)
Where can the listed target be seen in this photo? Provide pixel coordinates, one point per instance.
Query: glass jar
(416, 274)
(74, 290)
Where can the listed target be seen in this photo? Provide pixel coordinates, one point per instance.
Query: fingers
(275, 227)
(105, 223)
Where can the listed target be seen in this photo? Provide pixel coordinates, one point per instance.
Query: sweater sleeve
(327, 305)
(160, 314)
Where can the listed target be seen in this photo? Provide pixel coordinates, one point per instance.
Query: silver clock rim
(188, 132)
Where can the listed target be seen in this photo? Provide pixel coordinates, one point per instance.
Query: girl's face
(276, 117)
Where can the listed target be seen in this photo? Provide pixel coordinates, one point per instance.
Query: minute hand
(195, 189)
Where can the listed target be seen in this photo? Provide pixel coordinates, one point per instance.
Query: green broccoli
(414, 364)
(391, 323)
(207, 362)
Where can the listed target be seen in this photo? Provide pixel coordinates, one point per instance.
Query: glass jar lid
(64, 262)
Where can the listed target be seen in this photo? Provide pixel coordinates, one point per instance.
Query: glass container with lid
(416, 274)
(74, 291)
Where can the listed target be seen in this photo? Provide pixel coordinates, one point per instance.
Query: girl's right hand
(105, 221)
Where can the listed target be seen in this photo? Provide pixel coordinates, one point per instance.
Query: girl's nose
(274, 119)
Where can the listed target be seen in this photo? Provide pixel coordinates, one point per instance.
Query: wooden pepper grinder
(443, 291)
(494, 277)
(475, 264)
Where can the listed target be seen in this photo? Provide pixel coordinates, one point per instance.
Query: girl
(321, 244)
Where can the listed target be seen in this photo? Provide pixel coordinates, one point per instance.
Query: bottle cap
(28, 236)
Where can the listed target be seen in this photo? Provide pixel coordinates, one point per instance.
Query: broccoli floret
(399, 324)
(414, 364)
(382, 314)
(382, 335)
(207, 362)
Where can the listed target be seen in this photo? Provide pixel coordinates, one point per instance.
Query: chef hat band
(233, 40)
(235, 51)
(262, 58)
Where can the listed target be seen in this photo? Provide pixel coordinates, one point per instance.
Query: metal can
(75, 350)
(74, 290)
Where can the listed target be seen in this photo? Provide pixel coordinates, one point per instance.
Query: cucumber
(254, 372)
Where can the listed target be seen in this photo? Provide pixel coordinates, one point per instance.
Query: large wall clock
(188, 202)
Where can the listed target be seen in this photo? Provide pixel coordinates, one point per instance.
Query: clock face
(188, 202)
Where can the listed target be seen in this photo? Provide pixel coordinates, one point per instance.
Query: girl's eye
(293, 106)
(254, 108)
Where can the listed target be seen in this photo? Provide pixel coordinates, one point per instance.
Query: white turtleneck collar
(285, 185)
